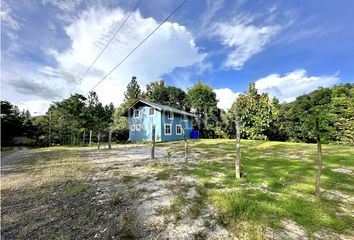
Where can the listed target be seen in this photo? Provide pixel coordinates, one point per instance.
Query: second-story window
(151, 111)
(136, 113)
(170, 115)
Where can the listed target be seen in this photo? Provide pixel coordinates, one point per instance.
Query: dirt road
(103, 194)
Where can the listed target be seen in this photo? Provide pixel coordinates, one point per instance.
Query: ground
(82, 192)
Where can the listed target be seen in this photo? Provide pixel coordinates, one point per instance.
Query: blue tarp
(195, 134)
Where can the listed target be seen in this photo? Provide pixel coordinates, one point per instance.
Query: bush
(120, 135)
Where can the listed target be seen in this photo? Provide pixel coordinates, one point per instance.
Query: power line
(168, 17)
(110, 40)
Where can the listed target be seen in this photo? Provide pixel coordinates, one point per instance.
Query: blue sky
(287, 47)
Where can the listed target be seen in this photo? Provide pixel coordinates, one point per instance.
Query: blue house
(169, 122)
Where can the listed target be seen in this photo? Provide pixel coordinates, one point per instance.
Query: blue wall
(146, 122)
(177, 119)
(159, 119)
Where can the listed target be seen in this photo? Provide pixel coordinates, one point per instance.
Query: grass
(73, 188)
(49, 189)
(279, 185)
(53, 189)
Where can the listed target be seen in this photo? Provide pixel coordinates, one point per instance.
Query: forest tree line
(260, 117)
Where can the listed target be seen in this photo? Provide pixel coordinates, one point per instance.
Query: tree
(342, 105)
(255, 113)
(313, 112)
(158, 92)
(133, 90)
(11, 122)
(201, 99)
(120, 123)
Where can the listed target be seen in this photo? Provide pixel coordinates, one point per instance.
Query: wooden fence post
(110, 139)
(98, 140)
(83, 139)
(90, 138)
(185, 146)
(153, 143)
(238, 152)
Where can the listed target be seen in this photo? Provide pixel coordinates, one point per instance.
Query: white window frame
(179, 125)
(172, 115)
(184, 118)
(164, 129)
(151, 115)
(132, 127)
(137, 127)
(136, 110)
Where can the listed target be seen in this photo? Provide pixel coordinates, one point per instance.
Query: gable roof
(158, 106)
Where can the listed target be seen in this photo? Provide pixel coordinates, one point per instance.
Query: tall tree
(313, 112)
(343, 107)
(203, 103)
(133, 90)
(158, 92)
(254, 111)
(11, 122)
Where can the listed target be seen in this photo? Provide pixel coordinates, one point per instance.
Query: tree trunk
(83, 139)
(319, 161)
(98, 140)
(153, 143)
(238, 152)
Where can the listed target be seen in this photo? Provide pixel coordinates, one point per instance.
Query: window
(151, 111)
(184, 118)
(132, 127)
(168, 129)
(178, 129)
(137, 127)
(170, 115)
(136, 113)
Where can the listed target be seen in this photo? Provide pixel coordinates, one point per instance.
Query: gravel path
(128, 196)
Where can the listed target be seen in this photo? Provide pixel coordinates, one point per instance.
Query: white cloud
(7, 17)
(68, 8)
(225, 97)
(244, 39)
(36, 107)
(293, 84)
(170, 47)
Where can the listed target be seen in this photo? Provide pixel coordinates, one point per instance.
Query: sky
(287, 48)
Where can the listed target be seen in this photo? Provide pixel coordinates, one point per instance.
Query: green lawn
(278, 185)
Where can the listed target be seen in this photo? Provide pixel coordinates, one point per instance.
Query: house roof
(157, 106)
